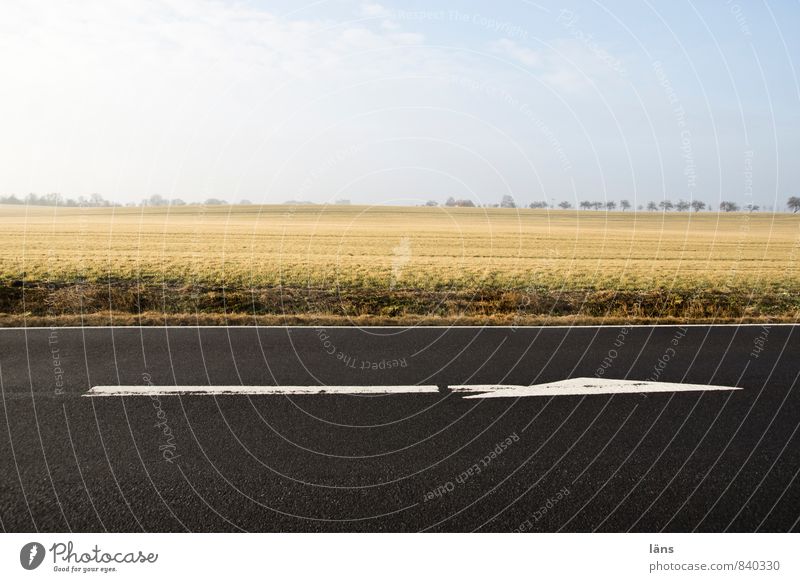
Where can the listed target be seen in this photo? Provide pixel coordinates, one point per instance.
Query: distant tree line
(94, 200)
(159, 200)
(462, 203)
(507, 201)
(97, 201)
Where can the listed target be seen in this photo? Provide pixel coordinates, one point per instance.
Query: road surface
(697, 461)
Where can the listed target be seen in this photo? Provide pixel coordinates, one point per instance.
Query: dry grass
(398, 264)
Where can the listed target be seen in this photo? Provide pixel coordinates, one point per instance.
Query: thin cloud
(523, 55)
(374, 10)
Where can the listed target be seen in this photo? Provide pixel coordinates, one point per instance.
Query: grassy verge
(133, 303)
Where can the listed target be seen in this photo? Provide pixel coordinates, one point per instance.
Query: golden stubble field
(355, 261)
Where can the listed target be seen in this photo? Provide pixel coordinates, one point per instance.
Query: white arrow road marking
(147, 390)
(581, 386)
(573, 387)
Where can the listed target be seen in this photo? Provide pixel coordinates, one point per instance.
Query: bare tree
(698, 205)
(564, 205)
(652, 206)
(53, 199)
(728, 206)
(665, 205)
(507, 201)
(585, 205)
(597, 205)
(625, 205)
(793, 203)
(154, 200)
(682, 206)
(97, 200)
(611, 205)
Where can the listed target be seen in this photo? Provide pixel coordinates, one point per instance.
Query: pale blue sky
(399, 102)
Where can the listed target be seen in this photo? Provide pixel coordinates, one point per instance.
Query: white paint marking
(572, 387)
(473, 388)
(146, 390)
(584, 386)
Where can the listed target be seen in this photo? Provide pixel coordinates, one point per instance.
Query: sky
(401, 102)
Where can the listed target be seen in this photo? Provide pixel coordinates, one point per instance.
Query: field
(340, 264)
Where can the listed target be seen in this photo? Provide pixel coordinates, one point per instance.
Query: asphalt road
(702, 461)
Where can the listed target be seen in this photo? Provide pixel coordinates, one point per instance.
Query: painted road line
(572, 387)
(147, 390)
(583, 386)
(476, 388)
